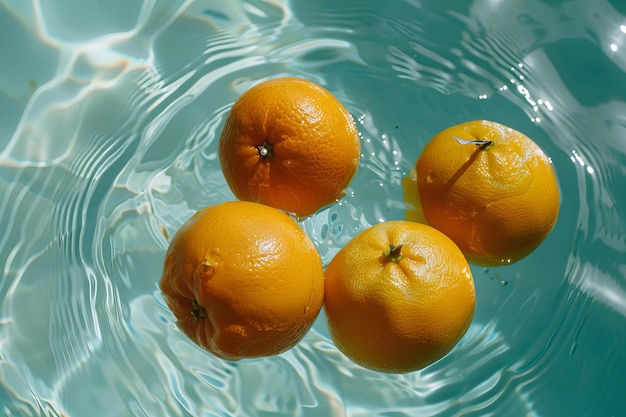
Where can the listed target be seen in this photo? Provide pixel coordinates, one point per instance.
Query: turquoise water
(109, 115)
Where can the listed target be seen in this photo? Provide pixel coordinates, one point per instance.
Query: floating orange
(488, 187)
(243, 280)
(291, 144)
(398, 296)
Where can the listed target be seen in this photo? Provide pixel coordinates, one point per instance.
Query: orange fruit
(290, 144)
(497, 199)
(243, 280)
(398, 297)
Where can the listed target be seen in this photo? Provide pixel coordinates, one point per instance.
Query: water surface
(109, 116)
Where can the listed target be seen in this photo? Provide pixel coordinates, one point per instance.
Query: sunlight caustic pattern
(109, 117)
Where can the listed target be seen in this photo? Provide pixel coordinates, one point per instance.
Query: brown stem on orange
(483, 144)
(265, 150)
(197, 310)
(394, 253)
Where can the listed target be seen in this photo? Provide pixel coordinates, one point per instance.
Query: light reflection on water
(110, 114)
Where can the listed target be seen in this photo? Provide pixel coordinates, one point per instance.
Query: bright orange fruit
(243, 280)
(291, 144)
(398, 297)
(496, 199)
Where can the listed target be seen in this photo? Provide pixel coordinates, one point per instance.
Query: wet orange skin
(398, 315)
(496, 202)
(243, 280)
(291, 144)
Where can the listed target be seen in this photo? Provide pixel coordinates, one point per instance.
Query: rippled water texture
(109, 116)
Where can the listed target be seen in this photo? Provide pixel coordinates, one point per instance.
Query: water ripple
(112, 150)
